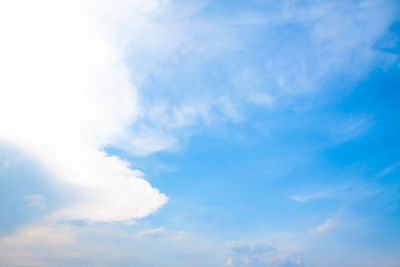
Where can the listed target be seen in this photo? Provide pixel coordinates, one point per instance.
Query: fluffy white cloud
(66, 93)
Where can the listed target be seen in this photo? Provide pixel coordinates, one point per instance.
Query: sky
(199, 133)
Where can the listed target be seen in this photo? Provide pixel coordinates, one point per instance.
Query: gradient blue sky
(268, 130)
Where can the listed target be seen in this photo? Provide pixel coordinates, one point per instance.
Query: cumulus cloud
(66, 93)
(259, 254)
(325, 227)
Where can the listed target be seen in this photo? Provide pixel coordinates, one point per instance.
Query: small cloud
(36, 200)
(305, 198)
(156, 232)
(325, 227)
(355, 190)
(390, 169)
(130, 222)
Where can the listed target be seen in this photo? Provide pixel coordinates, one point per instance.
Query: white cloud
(325, 227)
(36, 200)
(66, 93)
(152, 232)
(316, 42)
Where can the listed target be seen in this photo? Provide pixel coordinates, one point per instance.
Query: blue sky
(200, 133)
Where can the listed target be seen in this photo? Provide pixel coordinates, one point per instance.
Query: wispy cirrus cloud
(152, 232)
(306, 198)
(390, 169)
(349, 191)
(327, 226)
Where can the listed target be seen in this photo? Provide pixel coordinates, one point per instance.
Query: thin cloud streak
(326, 227)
